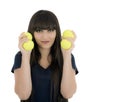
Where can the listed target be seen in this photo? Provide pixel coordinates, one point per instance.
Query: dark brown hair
(46, 20)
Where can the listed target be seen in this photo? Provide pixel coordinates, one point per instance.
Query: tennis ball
(29, 35)
(65, 44)
(28, 45)
(68, 33)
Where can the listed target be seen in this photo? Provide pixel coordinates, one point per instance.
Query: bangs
(44, 22)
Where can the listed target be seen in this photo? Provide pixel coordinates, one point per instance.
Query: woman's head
(45, 20)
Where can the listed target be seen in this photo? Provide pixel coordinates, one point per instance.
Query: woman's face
(45, 38)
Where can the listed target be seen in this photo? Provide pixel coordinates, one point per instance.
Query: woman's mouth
(45, 42)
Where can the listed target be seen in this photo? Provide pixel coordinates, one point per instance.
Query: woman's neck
(44, 53)
(45, 59)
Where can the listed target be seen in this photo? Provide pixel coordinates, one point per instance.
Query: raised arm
(23, 84)
(68, 83)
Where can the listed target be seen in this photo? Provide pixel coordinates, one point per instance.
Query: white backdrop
(97, 51)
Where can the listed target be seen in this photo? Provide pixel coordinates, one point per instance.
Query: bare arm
(23, 85)
(68, 83)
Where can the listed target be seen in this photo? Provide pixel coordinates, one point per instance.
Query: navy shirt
(41, 82)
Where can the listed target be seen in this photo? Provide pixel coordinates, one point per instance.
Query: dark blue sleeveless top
(41, 79)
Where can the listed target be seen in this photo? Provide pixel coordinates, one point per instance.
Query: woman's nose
(45, 35)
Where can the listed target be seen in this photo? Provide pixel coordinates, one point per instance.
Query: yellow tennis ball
(68, 33)
(65, 44)
(29, 35)
(29, 45)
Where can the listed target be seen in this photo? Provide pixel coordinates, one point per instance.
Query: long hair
(46, 20)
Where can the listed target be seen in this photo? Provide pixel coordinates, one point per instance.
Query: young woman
(47, 72)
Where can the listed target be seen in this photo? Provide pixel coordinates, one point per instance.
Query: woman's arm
(23, 84)
(68, 82)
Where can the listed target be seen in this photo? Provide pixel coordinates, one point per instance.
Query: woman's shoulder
(74, 63)
(19, 53)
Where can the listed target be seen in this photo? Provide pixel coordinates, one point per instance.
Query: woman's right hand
(22, 39)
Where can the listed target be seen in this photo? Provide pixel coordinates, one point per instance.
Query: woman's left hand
(72, 41)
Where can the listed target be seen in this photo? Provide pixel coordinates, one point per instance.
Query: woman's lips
(45, 42)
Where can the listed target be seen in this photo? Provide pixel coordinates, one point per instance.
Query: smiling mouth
(45, 42)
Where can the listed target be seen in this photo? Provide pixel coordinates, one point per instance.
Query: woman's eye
(50, 30)
(39, 31)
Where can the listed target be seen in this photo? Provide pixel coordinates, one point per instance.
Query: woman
(46, 73)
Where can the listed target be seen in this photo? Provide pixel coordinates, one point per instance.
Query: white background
(97, 51)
